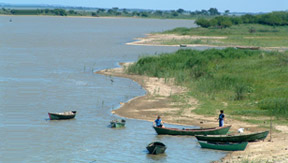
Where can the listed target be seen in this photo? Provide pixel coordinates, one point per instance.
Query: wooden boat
(183, 45)
(117, 123)
(227, 146)
(156, 148)
(248, 47)
(234, 138)
(192, 132)
(61, 116)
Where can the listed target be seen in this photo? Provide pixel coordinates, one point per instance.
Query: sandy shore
(160, 39)
(157, 101)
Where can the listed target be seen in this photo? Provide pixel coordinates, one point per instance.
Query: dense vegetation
(236, 35)
(179, 13)
(272, 19)
(58, 12)
(243, 82)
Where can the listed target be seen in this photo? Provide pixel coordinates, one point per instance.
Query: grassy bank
(242, 82)
(237, 35)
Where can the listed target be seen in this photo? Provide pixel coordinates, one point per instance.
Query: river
(47, 65)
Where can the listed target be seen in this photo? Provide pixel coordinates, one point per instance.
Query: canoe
(192, 132)
(61, 116)
(156, 148)
(227, 146)
(234, 138)
(117, 123)
(248, 47)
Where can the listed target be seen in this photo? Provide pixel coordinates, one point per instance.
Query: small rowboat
(156, 148)
(192, 132)
(234, 138)
(248, 47)
(61, 116)
(227, 146)
(117, 123)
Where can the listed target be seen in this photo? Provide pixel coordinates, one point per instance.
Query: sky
(190, 5)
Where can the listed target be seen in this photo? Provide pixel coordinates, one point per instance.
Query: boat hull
(156, 148)
(117, 123)
(235, 138)
(62, 116)
(192, 132)
(226, 146)
(248, 48)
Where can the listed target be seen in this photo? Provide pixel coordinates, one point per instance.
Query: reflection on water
(158, 158)
(47, 65)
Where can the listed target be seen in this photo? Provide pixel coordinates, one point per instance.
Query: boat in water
(234, 138)
(156, 148)
(118, 123)
(192, 132)
(226, 146)
(62, 116)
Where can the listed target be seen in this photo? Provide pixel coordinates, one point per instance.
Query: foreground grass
(242, 82)
(237, 35)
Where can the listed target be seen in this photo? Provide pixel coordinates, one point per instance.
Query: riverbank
(158, 101)
(157, 39)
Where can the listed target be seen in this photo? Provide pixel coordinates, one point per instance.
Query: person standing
(158, 122)
(221, 118)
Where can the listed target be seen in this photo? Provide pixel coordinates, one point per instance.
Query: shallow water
(47, 65)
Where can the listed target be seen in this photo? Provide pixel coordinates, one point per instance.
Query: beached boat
(117, 123)
(227, 146)
(61, 116)
(183, 45)
(248, 47)
(156, 148)
(192, 132)
(234, 138)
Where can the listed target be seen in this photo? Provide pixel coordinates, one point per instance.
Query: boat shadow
(115, 128)
(61, 120)
(158, 157)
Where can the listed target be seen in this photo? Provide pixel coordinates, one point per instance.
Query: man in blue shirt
(158, 122)
(221, 118)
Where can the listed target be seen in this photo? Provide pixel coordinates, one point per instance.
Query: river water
(47, 65)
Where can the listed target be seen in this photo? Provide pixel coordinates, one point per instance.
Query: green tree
(203, 22)
(180, 11)
(158, 12)
(213, 11)
(174, 13)
(226, 12)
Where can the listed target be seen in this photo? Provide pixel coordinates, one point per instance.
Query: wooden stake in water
(270, 128)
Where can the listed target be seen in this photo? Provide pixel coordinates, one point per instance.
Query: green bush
(277, 106)
(241, 78)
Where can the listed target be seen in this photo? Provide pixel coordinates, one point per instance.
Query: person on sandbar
(221, 118)
(158, 122)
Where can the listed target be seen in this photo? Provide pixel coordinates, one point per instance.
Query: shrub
(277, 106)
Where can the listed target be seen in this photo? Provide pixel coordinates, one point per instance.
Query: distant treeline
(58, 12)
(180, 13)
(273, 19)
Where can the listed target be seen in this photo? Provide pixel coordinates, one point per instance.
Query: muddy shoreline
(157, 101)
